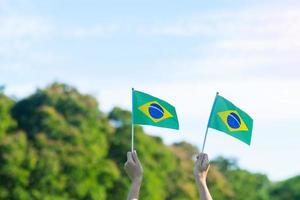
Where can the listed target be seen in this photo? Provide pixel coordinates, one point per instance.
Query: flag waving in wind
(228, 118)
(149, 110)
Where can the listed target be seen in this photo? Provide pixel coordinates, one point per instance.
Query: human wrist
(137, 180)
(200, 179)
(202, 182)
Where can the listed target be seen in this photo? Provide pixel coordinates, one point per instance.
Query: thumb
(129, 157)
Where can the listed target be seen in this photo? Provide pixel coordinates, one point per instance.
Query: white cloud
(22, 27)
(246, 22)
(18, 35)
(247, 43)
(22, 36)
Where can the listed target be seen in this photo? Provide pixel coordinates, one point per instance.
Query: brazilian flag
(149, 110)
(228, 118)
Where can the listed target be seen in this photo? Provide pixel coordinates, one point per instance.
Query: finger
(205, 163)
(129, 157)
(135, 157)
(204, 159)
(199, 156)
(206, 156)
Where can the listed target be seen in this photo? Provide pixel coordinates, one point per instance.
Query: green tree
(7, 123)
(288, 189)
(16, 161)
(242, 184)
(69, 134)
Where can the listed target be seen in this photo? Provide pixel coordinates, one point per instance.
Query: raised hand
(200, 172)
(135, 172)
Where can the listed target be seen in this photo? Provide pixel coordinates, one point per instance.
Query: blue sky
(181, 51)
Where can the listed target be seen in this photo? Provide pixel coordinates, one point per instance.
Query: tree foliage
(57, 144)
(288, 189)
